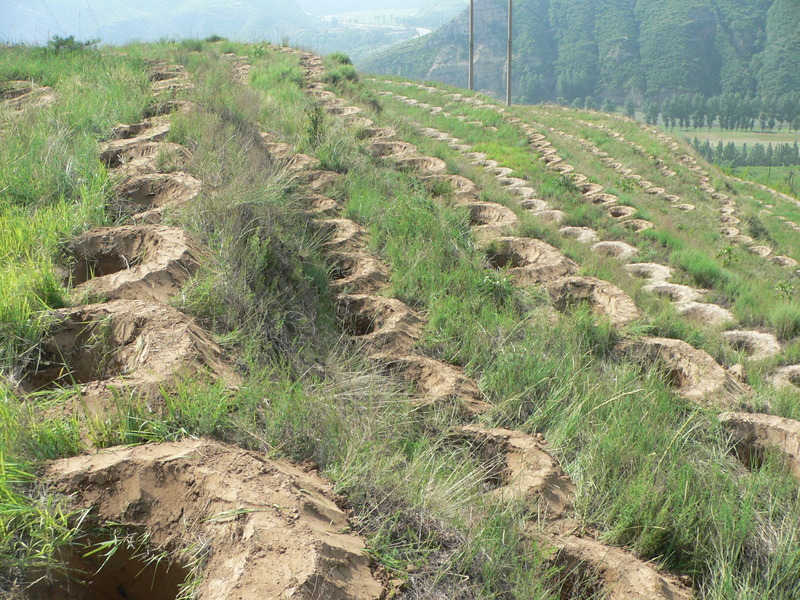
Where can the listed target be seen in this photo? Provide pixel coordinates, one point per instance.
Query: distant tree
(758, 155)
(608, 105)
(589, 103)
(651, 112)
(577, 103)
(630, 108)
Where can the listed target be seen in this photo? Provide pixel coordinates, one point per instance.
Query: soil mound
(676, 292)
(786, 376)
(784, 261)
(621, 212)
(762, 251)
(585, 235)
(604, 298)
(555, 217)
(655, 272)
(424, 164)
(357, 273)
(149, 130)
(522, 469)
(384, 149)
(590, 189)
(637, 225)
(706, 313)
(383, 322)
(491, 220)
(592, 569)
(528, 260)
(273, 530)
(138, 157)
(144, 196)
(756, 344)
(695, 374)
(461, 185)
(343, 234)
(754, 433)
(436, 380)
(19, 95)
(618, 250)
(318, 181)
(135, 262)
(129, 345)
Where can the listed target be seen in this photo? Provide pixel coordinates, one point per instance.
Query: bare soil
(122, 346)
(272, 530)
(136, 262)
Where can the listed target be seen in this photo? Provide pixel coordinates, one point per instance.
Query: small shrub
(315, 125)
(341, 73)
(191, 45)
(57, 44)
(784, 318)
(215, 38)
(340, 58)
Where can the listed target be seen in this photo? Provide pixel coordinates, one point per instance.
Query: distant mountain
(114, 22)
(614, 49)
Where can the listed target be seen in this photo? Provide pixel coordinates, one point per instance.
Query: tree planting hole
(75, 354)
(98, 265)
(750, 455)
(794, 379)
(501, 259)
(577, 580)
(13, 93)
(342, 269)
(160, 109)
(359, 324)
(163, 75)
(124, 576)
(127, 132)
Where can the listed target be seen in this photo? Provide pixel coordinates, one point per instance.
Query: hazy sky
(115, 21)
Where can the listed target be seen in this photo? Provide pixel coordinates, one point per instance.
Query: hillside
(615, 49)
(274, 329)
(30, 21)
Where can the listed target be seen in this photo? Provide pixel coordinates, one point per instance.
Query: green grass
(653, 472)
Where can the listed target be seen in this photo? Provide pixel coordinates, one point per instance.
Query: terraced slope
(381, 339)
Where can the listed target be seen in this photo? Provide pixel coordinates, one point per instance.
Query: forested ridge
(617, 49)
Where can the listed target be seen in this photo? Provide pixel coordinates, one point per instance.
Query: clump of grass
(339, 58)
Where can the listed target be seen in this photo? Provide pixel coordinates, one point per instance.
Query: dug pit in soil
(591, 570)
(528, 260)
(126, 574)
(604, 298)
(695, 374)
(384, 322)
(435, 380)
(135, 262)
(130, 345)
(144, 195)
(357, 272)
(753, 434)
(272, 530)
(522, 469)
(143, 157)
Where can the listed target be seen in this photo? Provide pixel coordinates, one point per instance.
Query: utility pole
(471, 44)
(508, 60)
